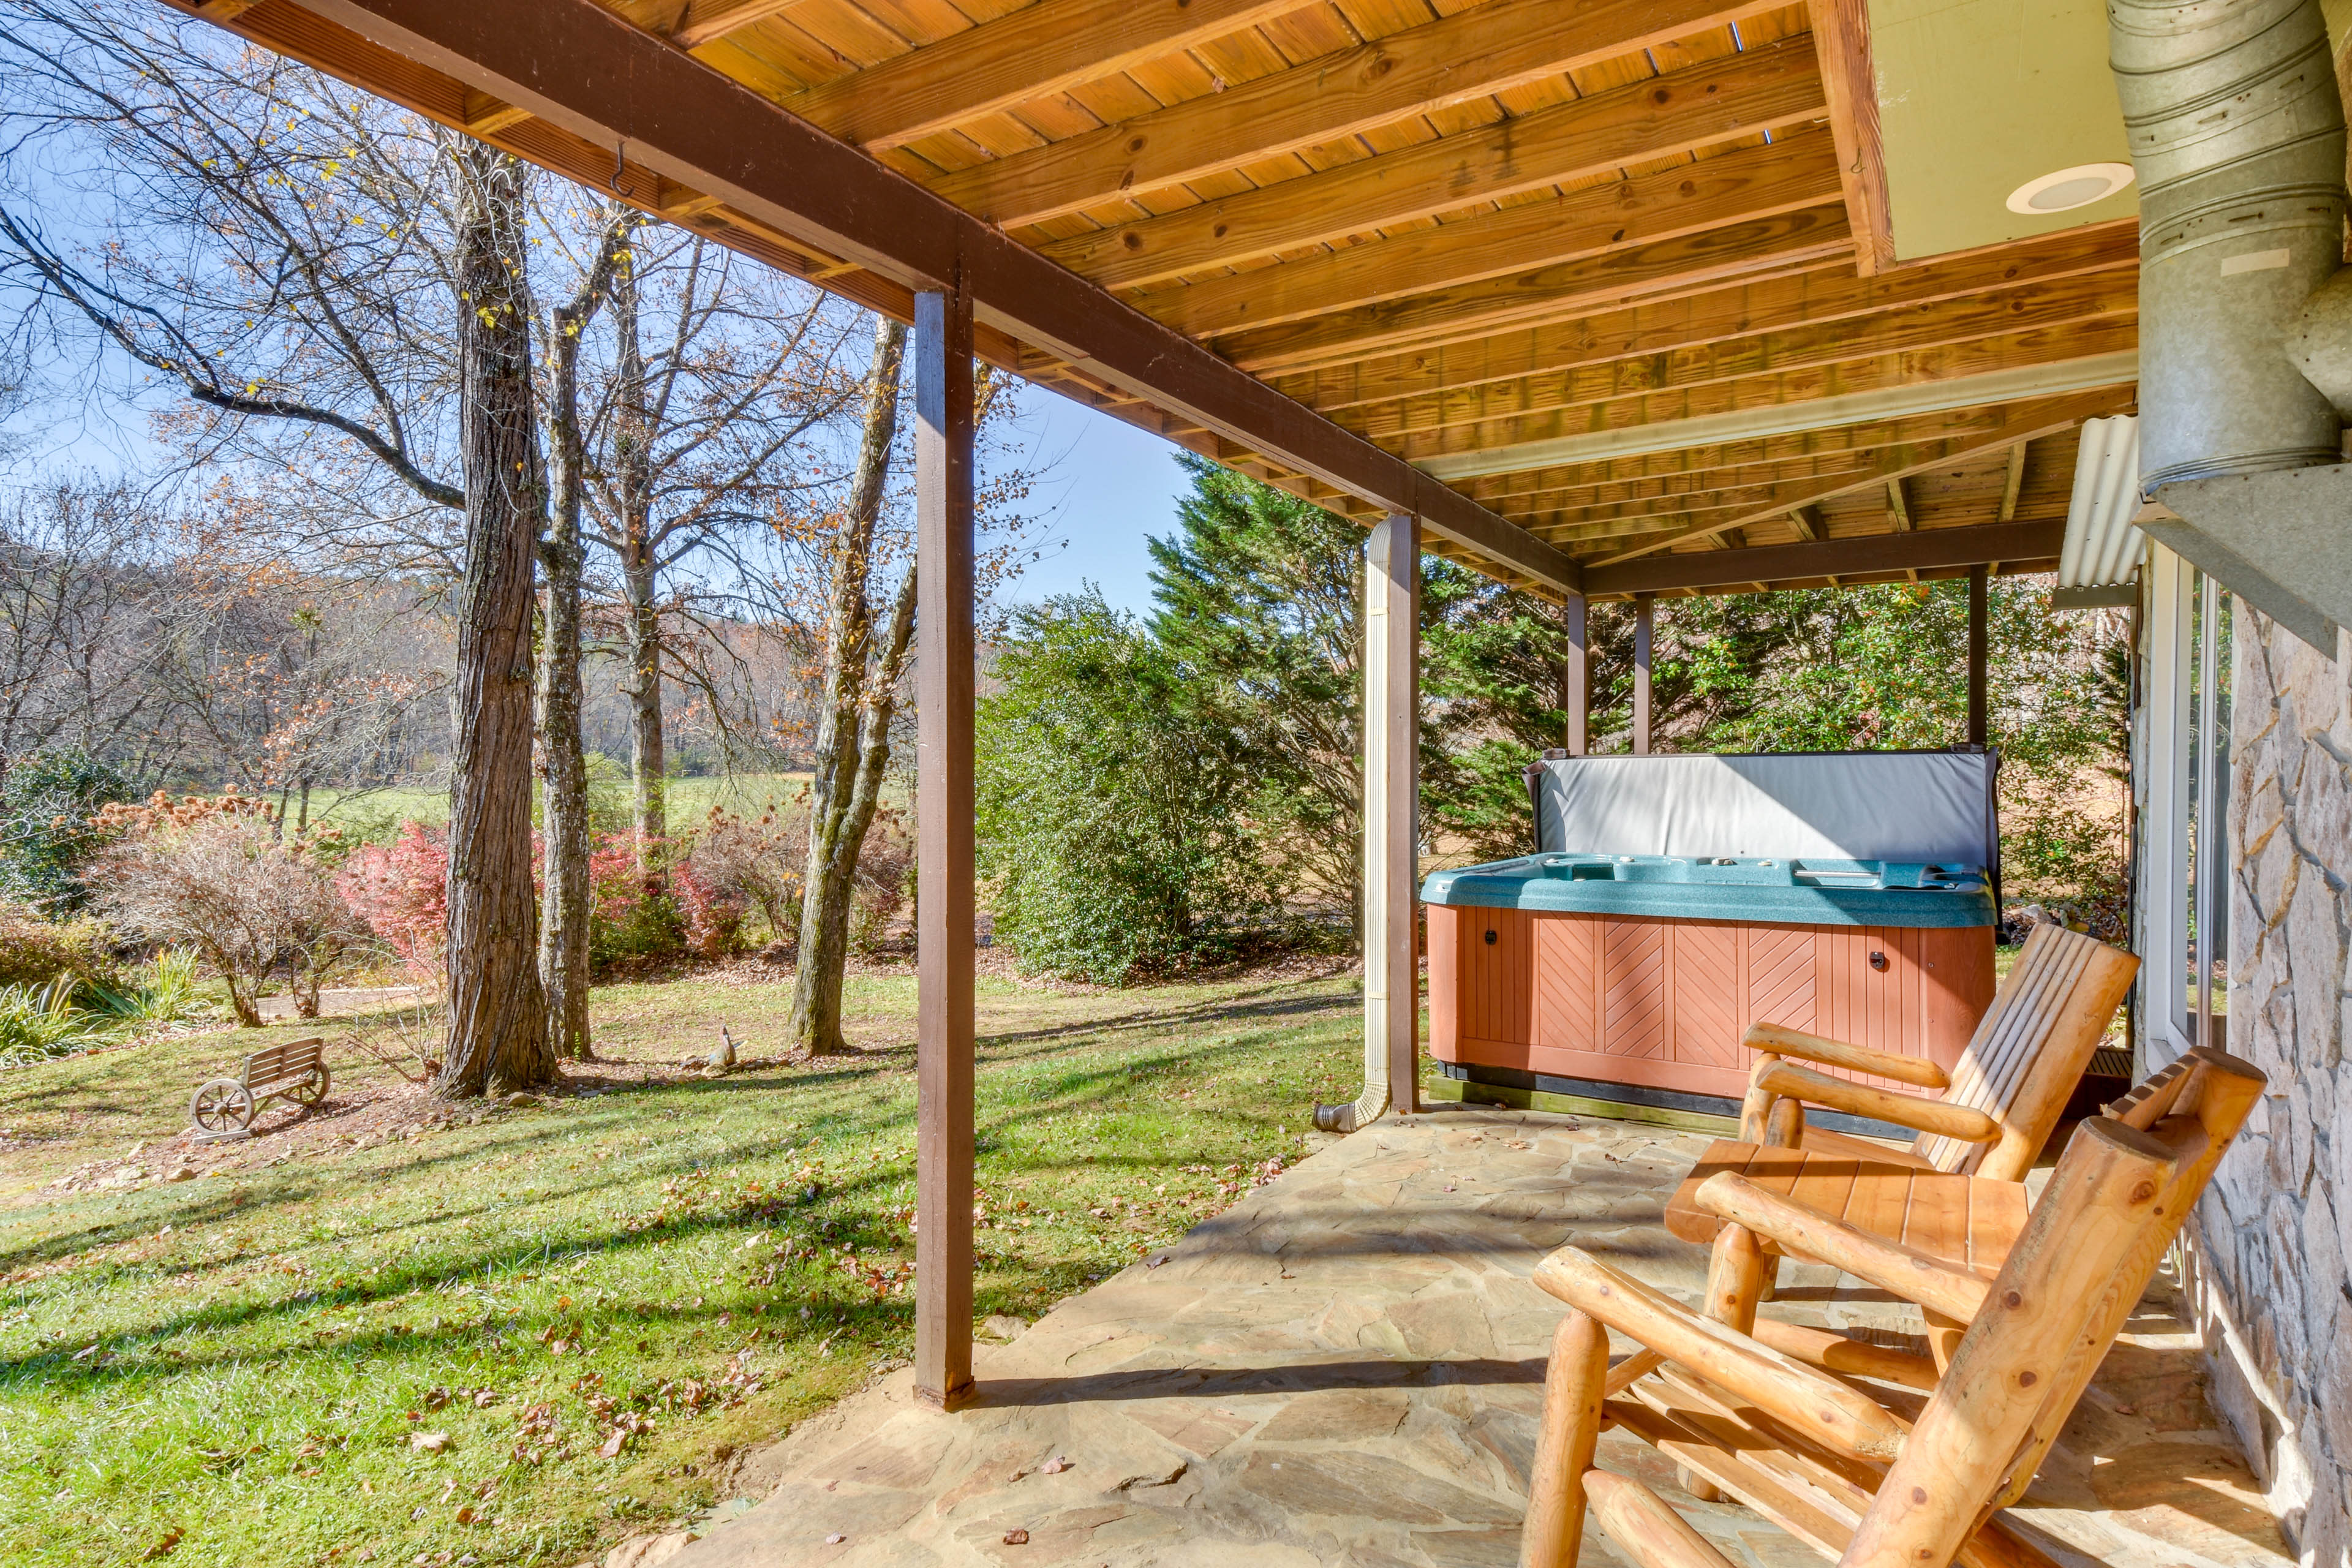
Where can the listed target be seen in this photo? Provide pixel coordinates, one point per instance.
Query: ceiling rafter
(1746, 187)
(1821, 297)
(1790, 242)
(1842, 29)
(1770, 87)
(2019, 422)
(1472, 53)
(2010, 382)
(2018, 546)
(1791, 390)
(1032, 53)
(1829, 445)
(2103, 297)
(708, 21)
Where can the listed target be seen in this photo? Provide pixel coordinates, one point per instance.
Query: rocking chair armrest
(1806, 1231)
(1792, 1083)
(1832, 1413)
(1776, 1041)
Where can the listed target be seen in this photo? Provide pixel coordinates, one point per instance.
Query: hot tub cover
(1909, 807)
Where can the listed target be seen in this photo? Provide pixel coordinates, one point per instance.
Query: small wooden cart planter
(223, 1107)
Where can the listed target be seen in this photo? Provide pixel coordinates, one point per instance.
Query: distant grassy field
(389, 1334)
(377, 814)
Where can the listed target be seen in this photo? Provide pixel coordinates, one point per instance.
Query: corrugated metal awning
(2102, 548)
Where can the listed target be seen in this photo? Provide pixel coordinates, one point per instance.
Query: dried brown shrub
(251, 905)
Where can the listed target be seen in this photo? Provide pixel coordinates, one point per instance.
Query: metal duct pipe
(2237, 136)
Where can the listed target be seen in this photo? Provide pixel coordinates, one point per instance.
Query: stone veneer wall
(2268, 1245)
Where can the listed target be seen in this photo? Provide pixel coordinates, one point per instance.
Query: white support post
(1392, 831)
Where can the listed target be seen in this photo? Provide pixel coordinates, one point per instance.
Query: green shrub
(47, 799)
(35, 950)
(1111, 833)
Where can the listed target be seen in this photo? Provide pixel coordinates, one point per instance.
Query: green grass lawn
(515, 1337)
(377, 814)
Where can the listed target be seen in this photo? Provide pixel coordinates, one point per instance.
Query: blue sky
(1109, 487)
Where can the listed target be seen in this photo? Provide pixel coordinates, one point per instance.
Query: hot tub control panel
(1724, 887)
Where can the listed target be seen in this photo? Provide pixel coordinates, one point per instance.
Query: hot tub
(1630, 975)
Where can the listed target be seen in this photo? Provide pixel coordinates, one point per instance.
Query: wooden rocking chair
(1974, 1146)
(1861, 1479)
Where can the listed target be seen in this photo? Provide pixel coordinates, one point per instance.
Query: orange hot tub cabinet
(1631, 1003)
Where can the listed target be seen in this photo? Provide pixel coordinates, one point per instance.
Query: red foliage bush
(401, 891)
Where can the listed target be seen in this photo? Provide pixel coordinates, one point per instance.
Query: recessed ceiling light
(2069, 188)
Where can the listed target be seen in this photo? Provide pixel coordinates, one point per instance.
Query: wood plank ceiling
(1616, 269)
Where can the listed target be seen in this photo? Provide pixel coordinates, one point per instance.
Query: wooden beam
(1745, 186)
(1841, 31)
(1472, 53)
(704, 22)
(1965, 392)
(587, 72)
(486, 116)
(1929, 550)
(1791, 242)
(708, 21)
(2015, 483)
(2022, 421)
(1948, 331)
(2105, 256)
(1979, 617)
(945, 673)
(1825, 450)
(1807, 520)
(1898, 508)
(1888, 373)
(1576, 675)
(1769, 88)
(1645, 623)
(1031, 53)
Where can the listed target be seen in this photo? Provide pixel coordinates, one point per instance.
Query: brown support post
(1644, 622)
(944, 813)
(1576, 689)
(1979, 633)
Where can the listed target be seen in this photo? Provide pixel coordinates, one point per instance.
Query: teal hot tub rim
(1806, 890)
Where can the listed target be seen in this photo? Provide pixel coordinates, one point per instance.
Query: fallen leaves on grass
(428, 1442)
(164, 1546)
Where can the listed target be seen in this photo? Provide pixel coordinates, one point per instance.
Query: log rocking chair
(1957, 1192)
(1873, 1477)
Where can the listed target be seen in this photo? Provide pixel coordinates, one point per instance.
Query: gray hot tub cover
(1933, 806)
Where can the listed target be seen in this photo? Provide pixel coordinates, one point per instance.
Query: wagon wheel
(222, 1105)
(309, 1088)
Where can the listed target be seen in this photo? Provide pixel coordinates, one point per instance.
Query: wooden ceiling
(1617, 271)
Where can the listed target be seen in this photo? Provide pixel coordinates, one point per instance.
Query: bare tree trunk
(632, 456)
(853, 746)
(498, 1036)
(563, 764)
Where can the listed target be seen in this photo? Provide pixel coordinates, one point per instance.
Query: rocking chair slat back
(2030, 1050)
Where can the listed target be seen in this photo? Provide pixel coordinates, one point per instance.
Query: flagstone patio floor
(1346, 1368)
